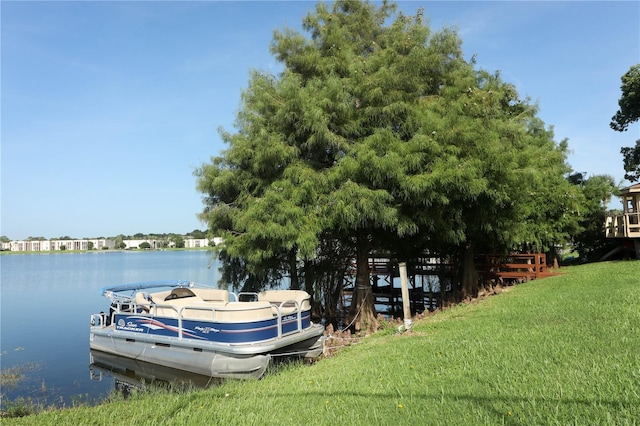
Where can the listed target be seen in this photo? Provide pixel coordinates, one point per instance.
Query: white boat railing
(98, 320)
(128, 306)
(298, 313)
(179, 313)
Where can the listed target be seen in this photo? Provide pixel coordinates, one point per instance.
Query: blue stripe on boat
(244, 332)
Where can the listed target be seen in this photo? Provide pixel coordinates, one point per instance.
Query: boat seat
(212, 294)
(194, 308)
(143, 300)
(191, 311)
(159, 296)
(171, 307)
(286, 300)
(222, 311)
(244, 312)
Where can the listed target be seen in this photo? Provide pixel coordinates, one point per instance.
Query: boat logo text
(206, 330)
(128, 326)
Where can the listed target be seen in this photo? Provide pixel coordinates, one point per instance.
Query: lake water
(46, 301)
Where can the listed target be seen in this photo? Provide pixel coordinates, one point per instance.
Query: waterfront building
(57, 245)
(96, 244)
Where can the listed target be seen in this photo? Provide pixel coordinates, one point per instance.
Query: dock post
(406, 303)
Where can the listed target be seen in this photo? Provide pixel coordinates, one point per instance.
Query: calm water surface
(46, 301)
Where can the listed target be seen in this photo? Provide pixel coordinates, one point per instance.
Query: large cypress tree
(377, 135)
(315, 152)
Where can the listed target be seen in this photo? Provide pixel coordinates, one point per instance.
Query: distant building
(134, 244)
(98, 244)
(201, 242)
(57, 245)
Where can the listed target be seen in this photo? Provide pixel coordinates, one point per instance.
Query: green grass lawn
(563, 350)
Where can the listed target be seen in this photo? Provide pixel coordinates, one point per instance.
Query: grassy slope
(563, 350)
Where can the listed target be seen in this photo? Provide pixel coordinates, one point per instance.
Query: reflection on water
(46, 302)
(129, 375)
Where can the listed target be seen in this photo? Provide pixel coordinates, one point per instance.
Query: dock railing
(526, 266)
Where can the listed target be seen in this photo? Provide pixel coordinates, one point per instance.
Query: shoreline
(9, 252)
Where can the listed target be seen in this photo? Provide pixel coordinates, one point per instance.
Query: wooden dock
(425, 274)
(516, 267)
(425, 292)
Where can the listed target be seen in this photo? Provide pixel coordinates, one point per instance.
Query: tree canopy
(589, 240)
(629, 103)
(628, 113)
(379, 136)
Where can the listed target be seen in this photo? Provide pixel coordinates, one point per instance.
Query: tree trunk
(309, 277)
(310, 286)
(293, 270)
(469, 275)
(362, 311)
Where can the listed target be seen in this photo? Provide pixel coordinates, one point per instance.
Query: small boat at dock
(206, 331)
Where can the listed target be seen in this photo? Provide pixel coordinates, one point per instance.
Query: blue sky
(108, 107)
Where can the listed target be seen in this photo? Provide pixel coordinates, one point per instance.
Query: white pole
(406, 303)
